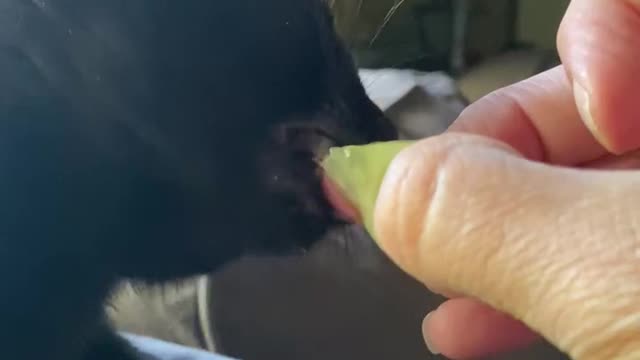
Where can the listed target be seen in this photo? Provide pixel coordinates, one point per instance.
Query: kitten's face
(309, 98)
(185, 133)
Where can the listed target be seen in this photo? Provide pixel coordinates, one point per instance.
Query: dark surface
(328, 305)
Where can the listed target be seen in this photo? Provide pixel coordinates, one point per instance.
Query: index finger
(538, 117)
(599, 44)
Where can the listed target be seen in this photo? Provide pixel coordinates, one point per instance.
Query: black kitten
(155, 139)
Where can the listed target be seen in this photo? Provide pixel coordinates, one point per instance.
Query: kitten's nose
(340, 204)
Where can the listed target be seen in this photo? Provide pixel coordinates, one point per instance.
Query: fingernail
(583, 102)
(425, 333)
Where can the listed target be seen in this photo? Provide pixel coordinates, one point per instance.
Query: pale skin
(530, 204)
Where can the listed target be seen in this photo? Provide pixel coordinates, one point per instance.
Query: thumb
(556, 248)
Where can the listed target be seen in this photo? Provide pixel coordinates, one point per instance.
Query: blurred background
(485, 44)
(422, 62)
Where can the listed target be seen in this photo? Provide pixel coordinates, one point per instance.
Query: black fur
(155, 139)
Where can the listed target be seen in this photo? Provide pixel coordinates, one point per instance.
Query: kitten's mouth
(294, 173)
(343, 208)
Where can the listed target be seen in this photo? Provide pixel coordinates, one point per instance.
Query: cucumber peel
(358, 171)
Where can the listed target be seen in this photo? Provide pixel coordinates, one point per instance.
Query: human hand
(512, 223)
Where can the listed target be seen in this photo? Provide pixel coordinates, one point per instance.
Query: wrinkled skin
(158, 139)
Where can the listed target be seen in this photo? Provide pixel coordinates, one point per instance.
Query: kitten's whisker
(358, 9)
(386, 20)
